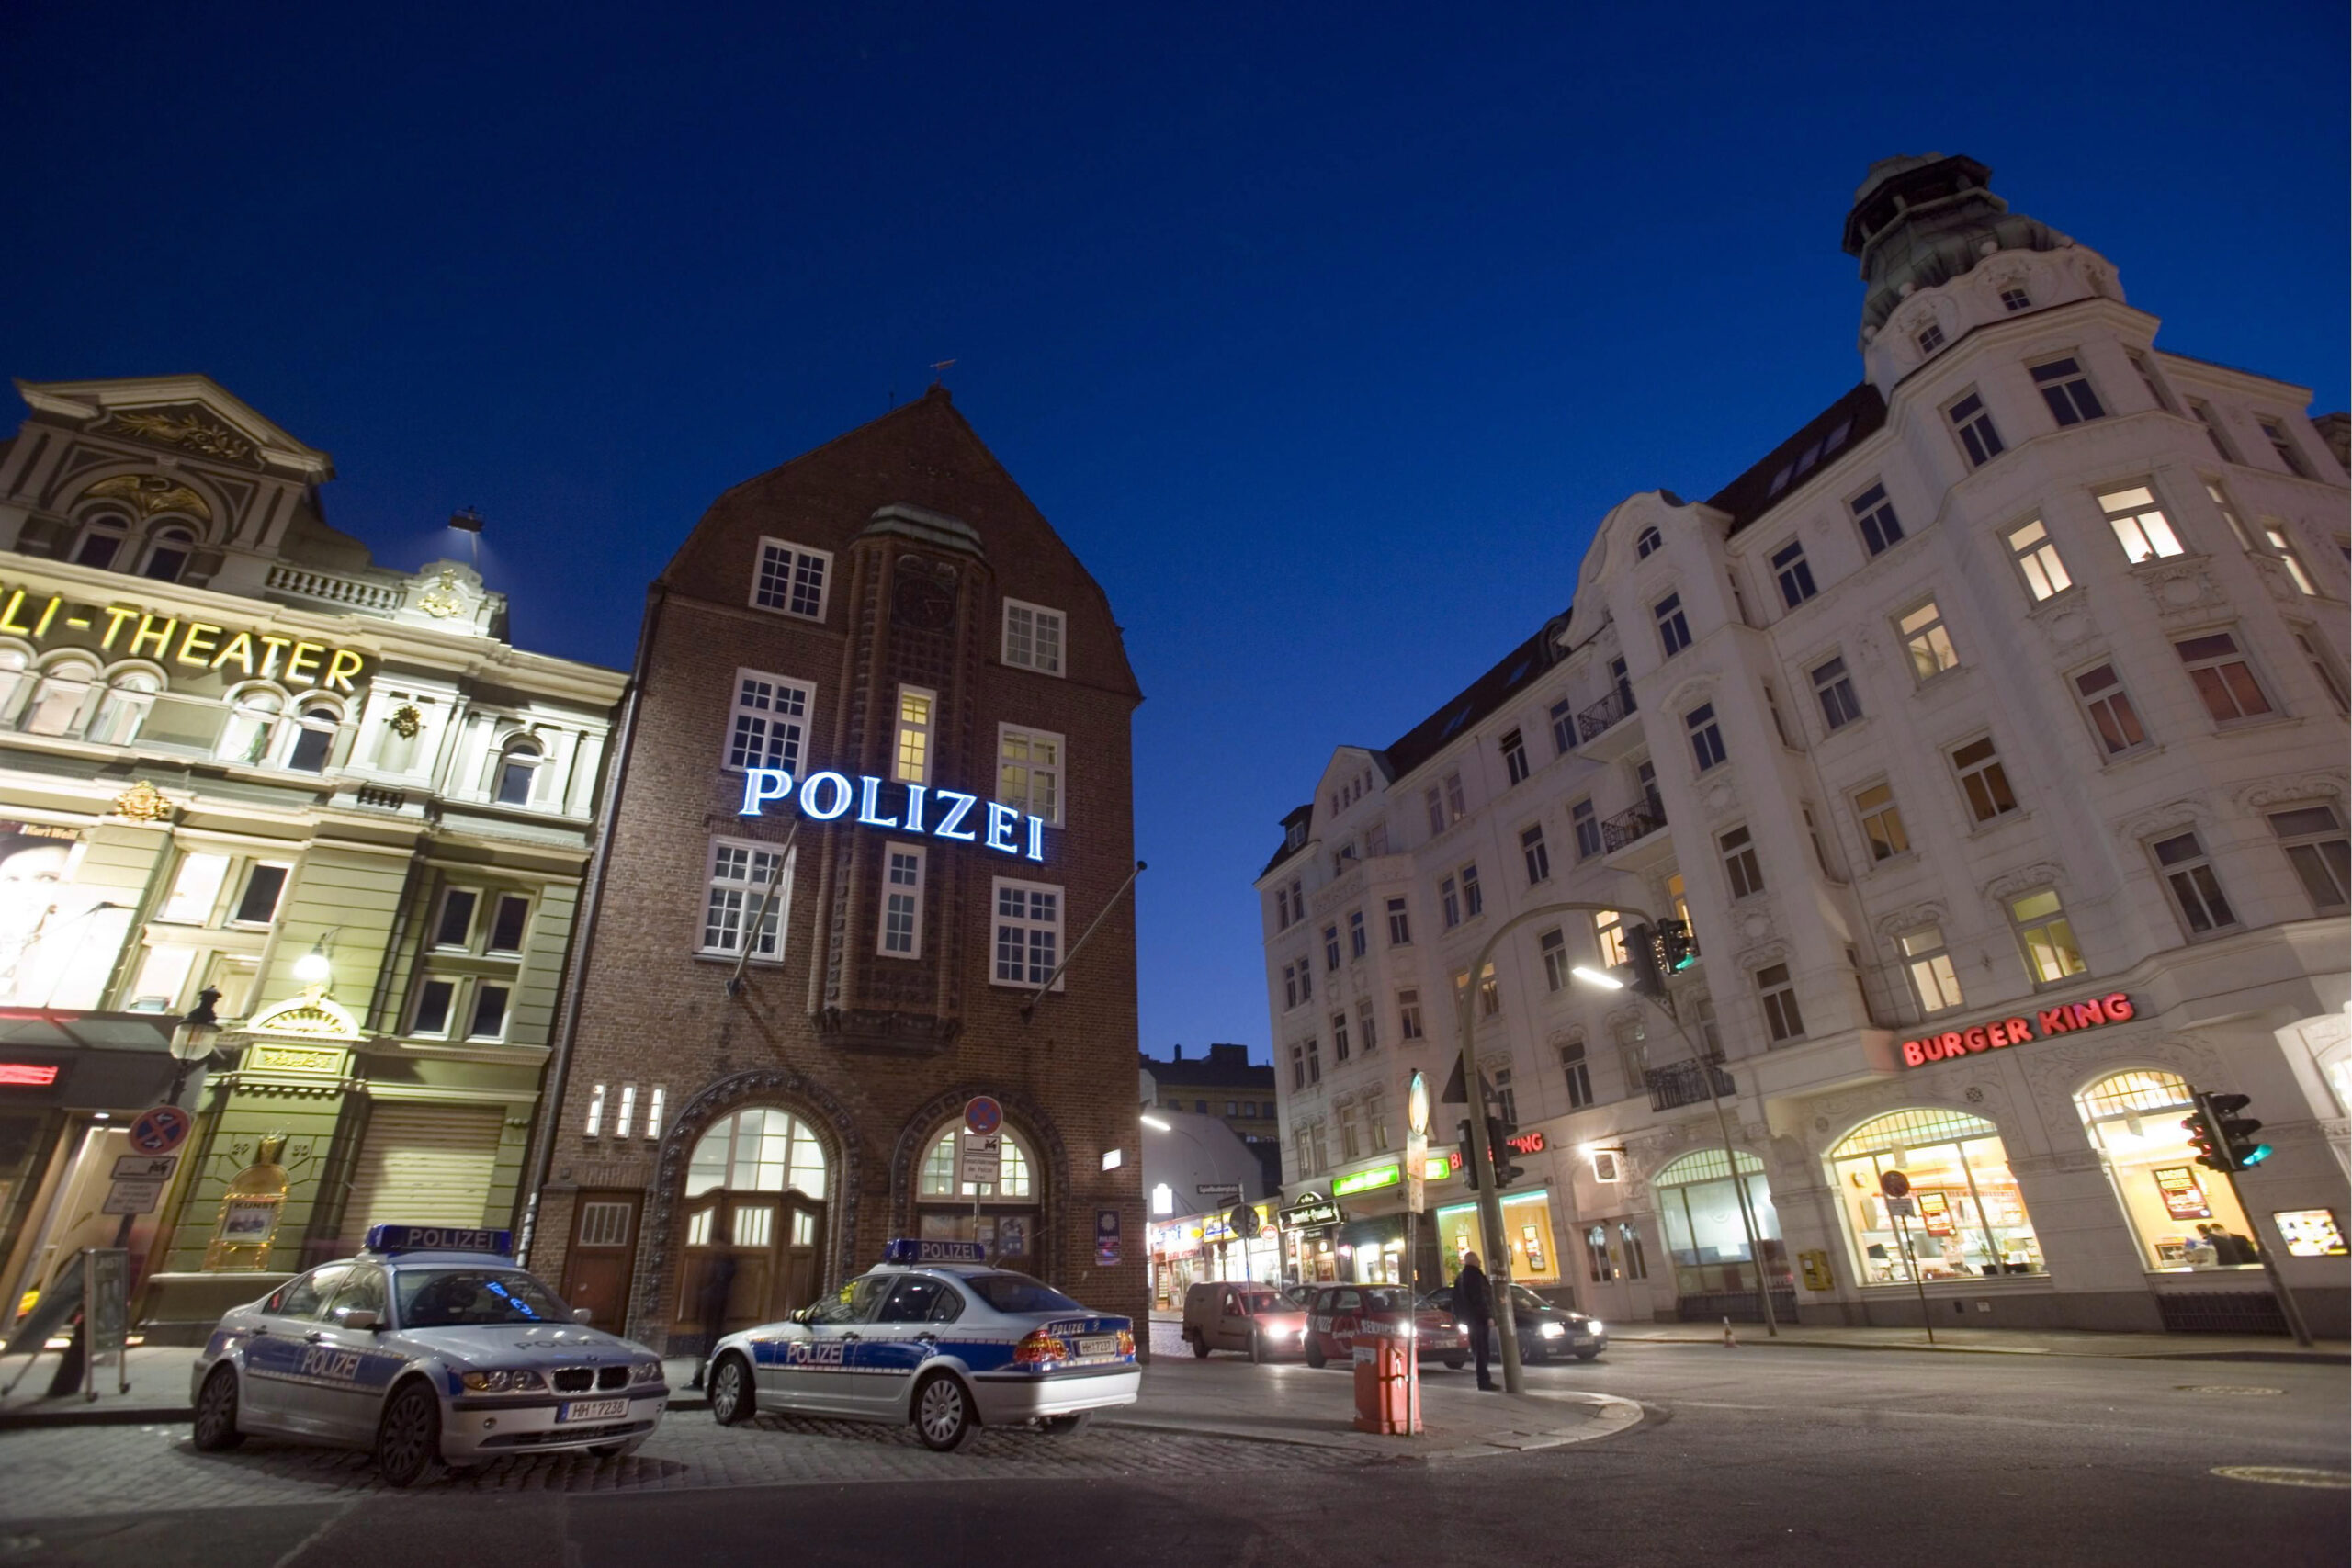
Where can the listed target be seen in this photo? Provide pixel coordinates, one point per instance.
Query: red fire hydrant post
(1388, 1384)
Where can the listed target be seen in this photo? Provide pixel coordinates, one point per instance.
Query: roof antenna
(939, 371)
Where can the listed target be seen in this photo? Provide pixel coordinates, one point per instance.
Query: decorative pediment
(313, 1015)
(2009, 883)
(151, 495)
(1911, 917)
(186, 427)
(2291, 787)
(2183, 813)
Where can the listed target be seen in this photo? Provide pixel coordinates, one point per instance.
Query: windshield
(1523, 1297)
(1264, 1301)
(1018, 1292)
(1384, 1301)
(454, 1298)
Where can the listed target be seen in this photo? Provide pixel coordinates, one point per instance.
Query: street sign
(1223, 1191)
(161, 1130)
(982, 1114)
(144, 1167)
(1244, 1221)
(133, 1197)
(1895, 1184)
(981, 1158)
(1312, 1211)
(1906, 1207)
(1416, 1167)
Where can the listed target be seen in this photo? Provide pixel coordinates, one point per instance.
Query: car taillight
(1127, 1343)
(1037, 1347)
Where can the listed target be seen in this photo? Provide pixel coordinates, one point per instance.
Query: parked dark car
(1546, 1332)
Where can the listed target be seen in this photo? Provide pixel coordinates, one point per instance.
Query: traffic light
(2238, 1142)
(1678, 949)
(1642, 958)
(1499, 1149)
(2202, 1139)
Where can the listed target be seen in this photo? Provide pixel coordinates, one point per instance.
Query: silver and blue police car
(428, 1348)
(937, 1338)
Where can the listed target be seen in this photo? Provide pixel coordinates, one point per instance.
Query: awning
(84, 1061)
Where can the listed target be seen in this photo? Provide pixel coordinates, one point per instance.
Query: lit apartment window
(2196, 891)
(1932, 976)
(653, 1105)
(2282, 546)
(1930, 338)
(2223, 677)
(1538, 857)
(1983, 781)
(1028, 933)
(903, 901)
(1779, 995)
(2037, 556)
(1673, 630)
(1033, 638)
(1740, 865)
(2316, 847)
(1514, 749)
(1563, 727)
(196, 889)
(594, 1123)
(1338, 1037)
(1609, 936)
(1874, 514)
(2140, 524)
(1400, 926)
(769, 722)
(2229, 514)
(2046, 937)
(1973, 424)
(1706, 736)
(740, 877)
(792, 579)
(2014, 299)
(1554, 946)
(1491, 994)
(1882, 823)
(911, 761)
(1409, 1015)
(2109, 707)
(2290, 455)
(2067, 390)
(1793, 573)
(1927, 640)
(1578, 1072)
(1029, 771)
(1588, 827)
(2206, 417)
(1834, 688)
(2156, 393)
(1330, 947)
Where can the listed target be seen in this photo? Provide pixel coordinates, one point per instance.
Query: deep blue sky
(1324, 341)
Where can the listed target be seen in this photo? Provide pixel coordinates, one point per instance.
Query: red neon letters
(2062, 1019)
(27, 1074)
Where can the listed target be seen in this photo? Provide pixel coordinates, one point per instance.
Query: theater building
(1990, 730)
(236, 754)
(874, 794)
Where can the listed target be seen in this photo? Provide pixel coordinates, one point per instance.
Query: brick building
(788, 993)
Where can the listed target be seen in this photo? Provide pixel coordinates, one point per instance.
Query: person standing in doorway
(718, 1284)
(1474, 1304)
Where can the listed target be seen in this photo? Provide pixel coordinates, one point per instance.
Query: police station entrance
(754, 1221)
(1009, 1208)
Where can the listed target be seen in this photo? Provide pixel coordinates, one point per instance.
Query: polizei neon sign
(827, 796)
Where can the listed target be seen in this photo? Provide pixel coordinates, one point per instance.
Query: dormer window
(167, 554)
(1648, 542)
(1930, 338)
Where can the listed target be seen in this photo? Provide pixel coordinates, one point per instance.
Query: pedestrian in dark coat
(1474, 1305)
(718, 1284)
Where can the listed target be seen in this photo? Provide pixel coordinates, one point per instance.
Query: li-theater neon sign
(826, 796)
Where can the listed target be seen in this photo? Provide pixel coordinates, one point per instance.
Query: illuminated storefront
(1971, 1216)
(2134, 1118)
(1699, 1212)
(1527, 1221)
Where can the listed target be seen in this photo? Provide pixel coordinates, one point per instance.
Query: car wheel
(1314, 1351)
(1455, 1363)
(943, 1418)
(1588, 1355)
(408, 1438)
(617, 1450)
(216, 1411)
(1066, 1425)
(1200, 1346)
(731, 1391)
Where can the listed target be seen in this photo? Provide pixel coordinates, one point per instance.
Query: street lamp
(192, 1041)
(315, 967)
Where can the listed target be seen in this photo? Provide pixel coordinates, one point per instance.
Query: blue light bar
(438, 1238)
(907, 1249)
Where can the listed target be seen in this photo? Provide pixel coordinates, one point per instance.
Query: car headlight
(645, 1372)
(1552, 1331)
(1595, 1326)
(508, 1380)
(1462, 1328)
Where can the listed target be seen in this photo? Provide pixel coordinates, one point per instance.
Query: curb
(97, 1414)
(2300, 1358)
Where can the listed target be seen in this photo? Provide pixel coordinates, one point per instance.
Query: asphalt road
(1756, 1455)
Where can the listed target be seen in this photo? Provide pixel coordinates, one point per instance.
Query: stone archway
(1045, 1141)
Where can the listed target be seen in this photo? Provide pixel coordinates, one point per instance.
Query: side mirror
(358, 1319)
(583, 1315)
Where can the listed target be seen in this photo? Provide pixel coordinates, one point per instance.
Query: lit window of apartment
(1538, 857)
(1554, 946)
(1028, 933)
(1706, 736)
(1563, 727)
(1740, 865)
(2156, 393)
(1338, 1037)
(2186, 869)
(901, 935)
(1779, 995)
(2014, 298)
(1673, 630)
(1408, 1014)
(1033, 638)
(1356, 939)
(910, 760)
(1834, 688)
(2315, 840)
(1972, 423)
(769, 722)
(1927, 641)
(2213, 433)
(1983, 780)
(738, 896)
(1933, 979)
(791, 579)
(2109, 707)
(1609, 937)
(1793, 573)
(2037, 557)
(2229, 514)
(1881, 822)
(2290, 456)
(2275, 534)
(2067, 390)
(1578, 1072)
(2223, 677)
(1874, 514)
(1491, 994)
(1514, 751)
(2046, 937)
(1400, 925)
(1930, 338)
(1029, 771)
(1586, 824)
(2140, 524)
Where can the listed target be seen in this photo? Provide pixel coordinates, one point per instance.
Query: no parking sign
(161, 1130)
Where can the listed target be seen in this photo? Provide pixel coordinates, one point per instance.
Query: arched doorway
(1968, 1215)
(2134, 1118)
(1010, 1208)
(1699, 1213)
(754, 1201)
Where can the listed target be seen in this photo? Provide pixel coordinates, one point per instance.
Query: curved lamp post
(192, 1041)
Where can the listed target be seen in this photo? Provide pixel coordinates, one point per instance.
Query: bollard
(1730, 1341)
(1388, 1392)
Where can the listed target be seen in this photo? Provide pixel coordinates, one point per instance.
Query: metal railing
(1604, 715)
(1681, 1085)
(1636, 821)
(335, 590)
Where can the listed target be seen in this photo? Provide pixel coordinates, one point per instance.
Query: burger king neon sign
(2063, 1019)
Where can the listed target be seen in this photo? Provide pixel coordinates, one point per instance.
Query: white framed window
(2315, 844)
(653, 1110)
(1927, 641)
(264, 887)
(1930, 338)
(2196, 891)
(2067, 390)
(594, 1124)
(453, 928)
(1983, 780)
(1029, 773)
(1933, 978)
(1033, 638)
(508, 921)
(1744, 871)
(792, 579)
(1972, 423)
(1340, 1040)
(1028, 933)
(2223, 678)
(1400, 924)
(740, 876)
(1833, 685)
(1648, 544)
(1706, 736)
(1881, 822)
(314, 728)
(768, 726)
(130, 695)
(1609, 936)
(519, 763)
(1779, 995)
(902, 877)
(58, 701)
(1793, 573)
(1874, 514)
(163, 976)
(1513, 746)
(490, 1010)
(627, 1116)
(1408, 1013)
(1578, 1072)
(910, 753)
(1554, 946)
(1537, 854)
(2140, 524)
(196, 889)
(437, 1000)
(1673, 626)
(2014, 299)
(2037, 557)
(2045, 936)
(2109, 707)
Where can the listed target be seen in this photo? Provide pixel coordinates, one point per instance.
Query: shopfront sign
(1379, 1176)
(2064, 1019)
(825, 795)
(1526, 1142)
(1310, 1213)
(2183, 1194)
(28, 1075)
(137, 632)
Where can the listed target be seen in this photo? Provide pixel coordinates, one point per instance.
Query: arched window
(13, 662)
(128, 694)
(103, 534)
(518, 771)
(1647, 543)
(58, 700)
(254, 714)
(1968, 1215)
(313, 738)
(167, 551)
(2135, 1118)
(1699, 1209)
(1014, 1183)
(759, 1150)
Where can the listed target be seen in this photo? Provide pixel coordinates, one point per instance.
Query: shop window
(1970, 1219)
(1602, 1268)
(1635, 1261)
(2046, 936)
(760, 1150)
(2171, 1203)
(1700, 1212)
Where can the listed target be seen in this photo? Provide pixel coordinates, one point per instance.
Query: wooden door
(596, 1271)
(772, 1241)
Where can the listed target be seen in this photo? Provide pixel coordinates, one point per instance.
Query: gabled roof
(1860, 412)
(1515, 670)
(172, 410)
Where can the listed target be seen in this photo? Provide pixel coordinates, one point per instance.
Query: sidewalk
(159, 1390)
(2002, 1342)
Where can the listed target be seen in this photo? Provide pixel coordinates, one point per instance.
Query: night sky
(1324, 342)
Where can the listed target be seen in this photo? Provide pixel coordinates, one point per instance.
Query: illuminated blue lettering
(843, 796)
(914, 809)
(1002, 819)
(947, 824)
(764, 785)
(870, 804)
(1037, 838)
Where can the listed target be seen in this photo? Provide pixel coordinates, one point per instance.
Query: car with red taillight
(1338, 1314)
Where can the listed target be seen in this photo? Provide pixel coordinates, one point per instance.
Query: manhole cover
(2224, 1388)
(2285, 1475)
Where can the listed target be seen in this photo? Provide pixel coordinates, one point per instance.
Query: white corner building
(1990, 733)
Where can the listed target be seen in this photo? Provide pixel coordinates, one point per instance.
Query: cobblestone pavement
(79, 1471)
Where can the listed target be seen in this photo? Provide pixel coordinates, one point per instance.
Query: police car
(430, 1347)
(937, 1338)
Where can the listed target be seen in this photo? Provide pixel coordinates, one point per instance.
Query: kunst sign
(915, 808)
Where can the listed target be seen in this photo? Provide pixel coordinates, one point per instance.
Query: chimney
(1179, 1053)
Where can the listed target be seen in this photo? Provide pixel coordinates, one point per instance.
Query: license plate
(1099, 1345)
(593, 1410)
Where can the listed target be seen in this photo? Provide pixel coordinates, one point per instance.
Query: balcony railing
(1682, 1084)
(1604, 715)
(307, 584)
(1636, 821)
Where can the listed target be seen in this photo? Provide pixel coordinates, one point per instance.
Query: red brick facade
(877, 1055)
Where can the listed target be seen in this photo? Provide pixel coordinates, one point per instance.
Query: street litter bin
(1388, 1385)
